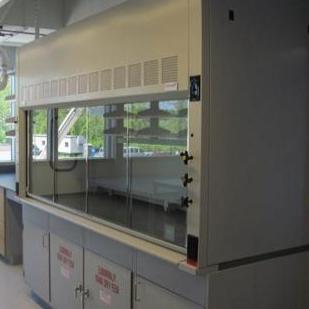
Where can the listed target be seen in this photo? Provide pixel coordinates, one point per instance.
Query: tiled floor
(14, 293)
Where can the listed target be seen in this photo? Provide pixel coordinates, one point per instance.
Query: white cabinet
(36, 259)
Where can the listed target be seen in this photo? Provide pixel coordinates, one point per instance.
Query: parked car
(99, 153)
(133, 151)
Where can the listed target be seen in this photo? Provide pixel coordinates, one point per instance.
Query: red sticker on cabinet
(107, 279)
(64, 256)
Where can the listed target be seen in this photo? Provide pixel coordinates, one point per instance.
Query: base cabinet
(63, 270)
(10, 228)
(36, 259)
(66, 276)
(150, 296)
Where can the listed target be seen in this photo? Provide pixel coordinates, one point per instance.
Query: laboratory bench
(10, 220)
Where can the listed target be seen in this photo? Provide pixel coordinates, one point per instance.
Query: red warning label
(64, 255)
(107, 279)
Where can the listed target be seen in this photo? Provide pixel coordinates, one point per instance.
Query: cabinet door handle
(44, 236)
(78, 290)
(86, 293)
(136, 296)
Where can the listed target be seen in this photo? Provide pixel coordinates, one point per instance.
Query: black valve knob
(186, 202)
(186, 157)
(186, 180)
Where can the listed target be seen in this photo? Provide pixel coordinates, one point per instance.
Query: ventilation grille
(169, 70)
(27, 93)
(148, 73)
(36, 92)
(40, 91)
(63, 87)
(33, 93)
(106, 80)
(83, 83)
(94, 82)
(151, 73)
(135, 75)
(120, 78)
(46, 90)
(72, 87)
(54, 88)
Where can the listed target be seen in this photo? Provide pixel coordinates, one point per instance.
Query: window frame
(135, 233)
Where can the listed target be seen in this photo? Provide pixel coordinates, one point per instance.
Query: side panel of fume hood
(280, 283)
(259, 128)
(137, 48)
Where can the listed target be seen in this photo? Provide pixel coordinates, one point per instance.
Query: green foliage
(39, 118)
(95, 124)
(5, 112)
(91, 125)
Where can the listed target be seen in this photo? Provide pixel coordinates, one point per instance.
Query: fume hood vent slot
(106, 80)
(169, 69)
(94, 82)
(34, 92)
(46, 89)
(151, 73)
(26, 93)
(72, 86)
(83, 83)
(135, 75)
(120, 78)
(40, 91)
(63, 87)
(54, 88)
(29, 92)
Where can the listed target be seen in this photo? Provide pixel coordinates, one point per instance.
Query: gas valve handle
(186, 202)
(186, 180)
(186, 157)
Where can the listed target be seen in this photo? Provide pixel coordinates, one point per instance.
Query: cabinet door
(109, 285)
(151, 296)
(66, 262)
(36, 259)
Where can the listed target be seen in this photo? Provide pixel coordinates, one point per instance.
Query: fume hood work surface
(163, 157)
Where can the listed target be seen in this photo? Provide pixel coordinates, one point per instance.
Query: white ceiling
(18, 17)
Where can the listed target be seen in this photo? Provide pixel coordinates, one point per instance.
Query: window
(120, 163)
(7, 122)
